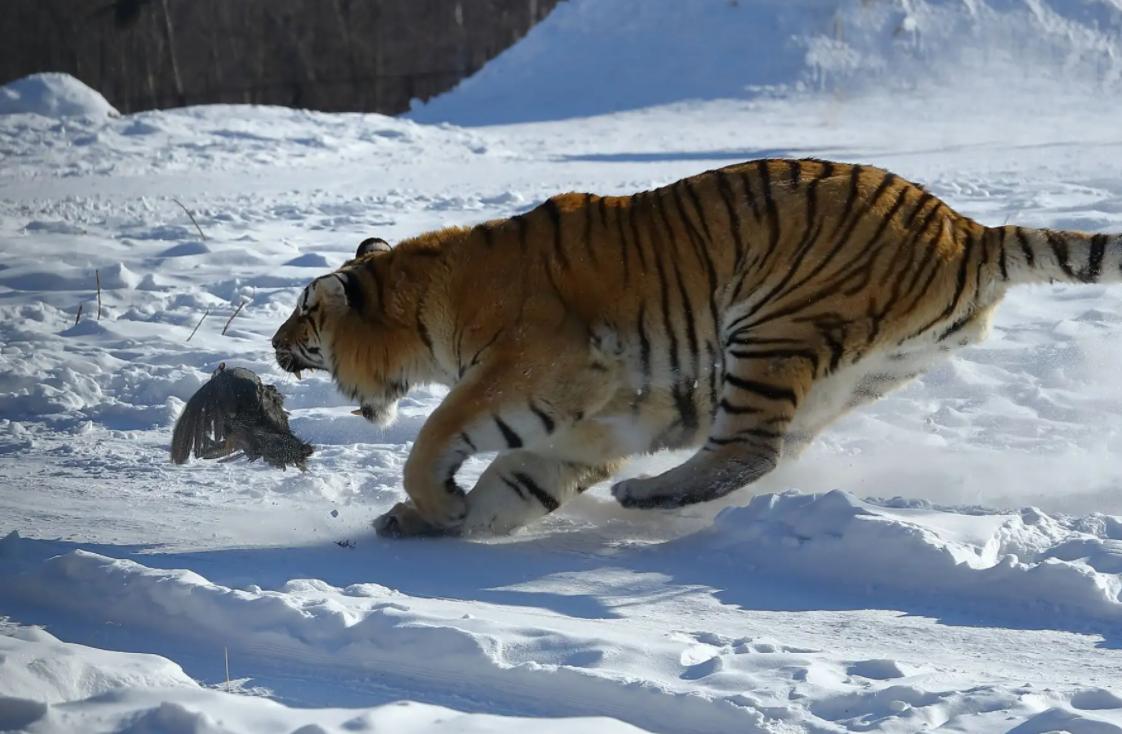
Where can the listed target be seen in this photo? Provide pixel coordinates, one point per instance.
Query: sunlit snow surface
(981, 593)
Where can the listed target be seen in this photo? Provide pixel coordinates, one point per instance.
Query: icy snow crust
(984, 596)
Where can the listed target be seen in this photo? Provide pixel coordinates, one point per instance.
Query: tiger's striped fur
(739, 310)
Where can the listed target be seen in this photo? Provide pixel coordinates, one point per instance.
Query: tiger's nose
(276, 341)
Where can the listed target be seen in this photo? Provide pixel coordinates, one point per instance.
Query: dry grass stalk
(205, 314)
(97, 276)
(237, 311)
(192, 216)
(78, 316)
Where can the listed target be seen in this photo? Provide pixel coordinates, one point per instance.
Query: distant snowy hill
(53, 95)
(598, 56)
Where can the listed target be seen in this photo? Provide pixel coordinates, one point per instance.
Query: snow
(948, 558)
(52, 95)
(598, 56)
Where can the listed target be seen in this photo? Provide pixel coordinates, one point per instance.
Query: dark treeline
(360, 55)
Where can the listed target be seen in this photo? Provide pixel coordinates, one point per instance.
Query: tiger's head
(342, 325)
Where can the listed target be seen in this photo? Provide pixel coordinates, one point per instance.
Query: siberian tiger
(739, 311)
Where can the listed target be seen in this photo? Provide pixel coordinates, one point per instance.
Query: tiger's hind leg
(522, 486)
(761, 392)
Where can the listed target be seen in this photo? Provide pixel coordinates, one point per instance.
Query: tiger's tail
(1027, 255)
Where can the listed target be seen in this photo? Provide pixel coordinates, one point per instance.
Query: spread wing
(201, 427)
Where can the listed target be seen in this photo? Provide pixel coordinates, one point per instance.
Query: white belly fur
(874, 376)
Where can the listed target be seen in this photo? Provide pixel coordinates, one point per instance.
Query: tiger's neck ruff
(740, 311)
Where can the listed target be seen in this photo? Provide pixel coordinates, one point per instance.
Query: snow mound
(596, 56)
(52, 94)
(49, 686)
(1030, 563)
(36, 665)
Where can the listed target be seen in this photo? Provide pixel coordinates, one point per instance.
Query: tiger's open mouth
(291, 362)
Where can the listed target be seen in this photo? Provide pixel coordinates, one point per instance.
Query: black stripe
(850, 199)
(771, 392)
(837, 349)
(807, 354)
(794, 168)
(547, 501)
(588, 229)
(520, 222)
(956, 326)
(1022, 238)
(772, 210)
(1059, 249)
(760, 433)
(451, 487)
(730, 440)
(484, 348)
(517, 489)
(839, 244)
(644, 354)
(923, 199)
(423, 332)
(960, 286)
(624, 257)
(621, 235)
(1001, 246)
(547, 422)
(703, 245)
(725, 189)
(700, 243)
(356, 299)
(1095, 259)
(918, 235)
(746, 181)
(554, 213)
(467, 439)
(683, 399)
(664, 302)
(513, 440)
(731, 409)
(696, 201)
(635, 232)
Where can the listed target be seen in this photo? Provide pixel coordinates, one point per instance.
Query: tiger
(737, 312)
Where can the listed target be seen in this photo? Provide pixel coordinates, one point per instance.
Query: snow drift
(596, 56)
(53, 95)
(1028, 564)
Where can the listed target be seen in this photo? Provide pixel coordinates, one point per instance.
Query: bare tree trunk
(181, 99)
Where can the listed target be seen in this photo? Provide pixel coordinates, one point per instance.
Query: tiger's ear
(372, 244)
(331, 290)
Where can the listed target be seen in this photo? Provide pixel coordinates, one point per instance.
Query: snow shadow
(584, 574)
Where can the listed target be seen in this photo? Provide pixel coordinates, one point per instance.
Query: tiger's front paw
(404, 521)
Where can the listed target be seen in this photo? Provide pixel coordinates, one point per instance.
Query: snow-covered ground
(982, 591)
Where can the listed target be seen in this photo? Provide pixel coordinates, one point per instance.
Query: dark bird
(235, 411)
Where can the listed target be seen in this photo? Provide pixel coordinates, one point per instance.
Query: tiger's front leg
(487, 412)
(522, 486)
